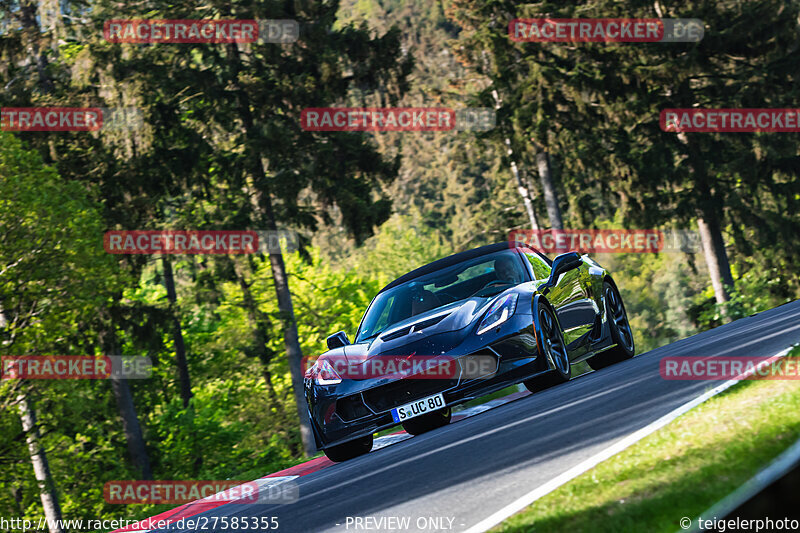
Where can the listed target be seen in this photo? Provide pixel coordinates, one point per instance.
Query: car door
(571, 298)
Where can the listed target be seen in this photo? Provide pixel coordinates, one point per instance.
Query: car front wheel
(621, 333)
(553, 348)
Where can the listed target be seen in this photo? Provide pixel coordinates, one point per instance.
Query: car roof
(453, 260)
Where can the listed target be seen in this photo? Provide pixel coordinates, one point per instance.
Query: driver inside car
(506, 271)
(422, 300)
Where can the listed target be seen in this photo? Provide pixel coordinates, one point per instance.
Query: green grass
(680, 470)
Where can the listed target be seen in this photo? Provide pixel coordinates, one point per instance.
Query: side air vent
(351, 408)
(428, 323)
(396, 334)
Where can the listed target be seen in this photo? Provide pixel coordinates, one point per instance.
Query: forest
(576, 143)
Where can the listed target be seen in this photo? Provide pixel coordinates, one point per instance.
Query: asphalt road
(460, 474)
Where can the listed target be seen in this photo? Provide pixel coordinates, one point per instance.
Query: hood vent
(396, 334)
(402, 332)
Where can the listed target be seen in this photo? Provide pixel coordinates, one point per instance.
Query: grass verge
(680, 470)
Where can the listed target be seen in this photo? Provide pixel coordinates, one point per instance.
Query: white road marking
(388, 440)
(775, 470)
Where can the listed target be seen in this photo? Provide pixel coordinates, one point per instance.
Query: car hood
(431, 333)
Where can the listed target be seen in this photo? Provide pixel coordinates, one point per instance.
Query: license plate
(419, 407)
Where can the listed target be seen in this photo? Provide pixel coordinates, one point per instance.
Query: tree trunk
(259, 171)
(260, 323)
(716, 257)
(131, 427)
(127, 409)
(291, 339)
(180, 351)
(549, 189)
(41, 468)
(177, 334)
(51, 20)
(29, 16)
(521, 188)
(522, 185)
(708, 224)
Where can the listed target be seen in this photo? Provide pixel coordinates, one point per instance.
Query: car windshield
(482, 277)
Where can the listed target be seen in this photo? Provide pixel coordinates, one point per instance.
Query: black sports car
(459, 328)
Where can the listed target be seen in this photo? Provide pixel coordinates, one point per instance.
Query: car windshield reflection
(481, 277)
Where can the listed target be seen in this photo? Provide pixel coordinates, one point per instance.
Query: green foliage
(402, 244)
(53, 269)
(656, 289)
(208, 425)
(222, 148)
(327, 300)
(54, 274)
(755, 291)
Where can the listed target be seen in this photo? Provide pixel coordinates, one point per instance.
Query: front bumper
(356, 408)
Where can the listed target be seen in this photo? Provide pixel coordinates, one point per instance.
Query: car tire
(551, 344)
(621, 333)
(423, 424)
(349, 450)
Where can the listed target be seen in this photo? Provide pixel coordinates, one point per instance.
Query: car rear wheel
(428, 422)
(621, 333)
(349, 450)
(553, 348)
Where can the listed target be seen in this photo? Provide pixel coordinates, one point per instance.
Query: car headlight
(323, 373)
(500, 311)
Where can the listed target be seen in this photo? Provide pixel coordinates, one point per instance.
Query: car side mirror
(337, 340)
(563, 263)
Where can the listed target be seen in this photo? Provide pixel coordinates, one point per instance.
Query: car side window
(383, 319)
(541, 270)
